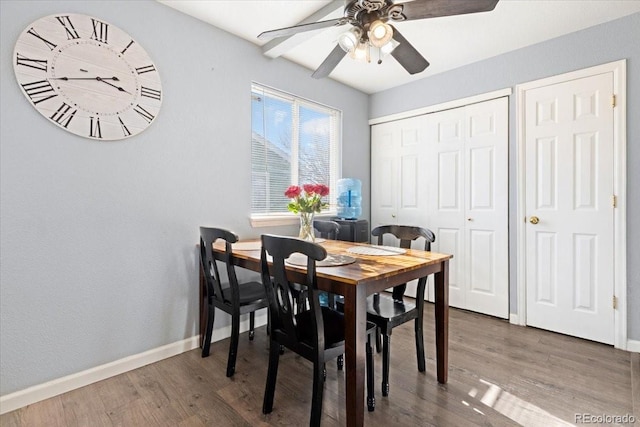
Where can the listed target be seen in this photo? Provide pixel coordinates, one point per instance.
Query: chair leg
(318, 390)
(371, 396)
(206, 344)
(378, 340)
(233, 345)
(386, 348)
(252, 324)
(272, 374)
(420, 345)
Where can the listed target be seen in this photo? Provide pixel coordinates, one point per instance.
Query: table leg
(442, 322)
(355, 315)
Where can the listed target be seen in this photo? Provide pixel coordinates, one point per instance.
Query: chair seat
(250, 292)
(333, 327)
(387, 307)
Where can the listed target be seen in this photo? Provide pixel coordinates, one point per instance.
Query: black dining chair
(327, 229)
(316, 334)
(388, 312)
(227, 295)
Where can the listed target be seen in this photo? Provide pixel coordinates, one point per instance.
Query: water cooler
(349, 209)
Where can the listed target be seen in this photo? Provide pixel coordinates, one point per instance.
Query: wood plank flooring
(499, 375)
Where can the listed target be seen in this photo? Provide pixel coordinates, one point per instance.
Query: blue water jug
(349, 198)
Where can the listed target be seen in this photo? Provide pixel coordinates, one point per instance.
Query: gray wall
(98, 257)
(608, 42)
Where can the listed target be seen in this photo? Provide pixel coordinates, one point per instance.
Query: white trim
(514, 319)
(633, 345)
(28, 396)
(443, 106)
(618, 68)
(272, 220)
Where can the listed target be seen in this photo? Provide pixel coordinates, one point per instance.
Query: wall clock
(87, 76)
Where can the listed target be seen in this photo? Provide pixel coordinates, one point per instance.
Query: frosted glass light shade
(380, 33)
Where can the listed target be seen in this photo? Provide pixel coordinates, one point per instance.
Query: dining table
(372, 270)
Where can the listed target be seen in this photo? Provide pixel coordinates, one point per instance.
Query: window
(293, 142)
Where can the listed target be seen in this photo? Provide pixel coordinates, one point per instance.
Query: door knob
(534, 220)
(469, 219)
(393, 215)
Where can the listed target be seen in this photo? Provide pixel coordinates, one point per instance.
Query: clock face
(87, 76)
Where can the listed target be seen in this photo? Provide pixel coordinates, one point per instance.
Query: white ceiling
(446, 42)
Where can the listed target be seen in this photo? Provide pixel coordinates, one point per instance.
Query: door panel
(468, 202)
(486, 208)
(569, 185)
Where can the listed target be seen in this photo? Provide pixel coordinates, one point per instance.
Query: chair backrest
(279, 289)
(327, 229)
(209, 263)
(406, 234)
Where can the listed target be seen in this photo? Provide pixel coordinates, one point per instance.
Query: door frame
(618, 68)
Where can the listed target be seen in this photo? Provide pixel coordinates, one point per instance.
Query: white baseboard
(514, 319)
(28, 396)
(633, 345)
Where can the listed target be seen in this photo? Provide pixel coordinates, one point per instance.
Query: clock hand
(86, 78)
(111, 84)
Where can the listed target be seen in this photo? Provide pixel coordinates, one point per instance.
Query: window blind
(293, 142)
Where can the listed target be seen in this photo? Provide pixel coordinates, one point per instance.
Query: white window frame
(289, 218)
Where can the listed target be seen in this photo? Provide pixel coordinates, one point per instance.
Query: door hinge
(613, 101)
(614, 201)
(615, 302)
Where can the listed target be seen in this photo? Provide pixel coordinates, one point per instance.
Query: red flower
(309, 201)
(322, 190)
(292, 192)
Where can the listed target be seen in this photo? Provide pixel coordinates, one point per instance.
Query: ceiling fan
(371, 29)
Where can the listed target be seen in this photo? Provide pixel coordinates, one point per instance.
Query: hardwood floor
(499, 375)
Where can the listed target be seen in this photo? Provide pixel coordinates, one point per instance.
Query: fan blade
(421, 9)
(329, 63)
(407, 55)
(287, 31)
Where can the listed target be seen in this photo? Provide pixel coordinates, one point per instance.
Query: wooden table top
(366, 268)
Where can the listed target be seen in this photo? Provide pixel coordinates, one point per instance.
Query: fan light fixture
(380, 33)
(349, 40)
(361, 52)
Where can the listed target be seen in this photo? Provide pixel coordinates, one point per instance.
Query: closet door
(468, 202)
(397, 178)
(486, 208)
(397, 173)
(446, 132)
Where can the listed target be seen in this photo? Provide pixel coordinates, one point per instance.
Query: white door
(468, 202)
(570, 214)
(396, 176)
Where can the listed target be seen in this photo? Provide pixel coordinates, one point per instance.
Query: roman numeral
(100, 31)
(125, 129)
(128, 46)
(145, 69)
(144, 113)
(38, 64)
(63, 115)
(72, 34)
(94, 127)
(150, 93)
(39, 91)
(47, 42)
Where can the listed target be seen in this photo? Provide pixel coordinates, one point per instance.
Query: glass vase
(306, 227)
